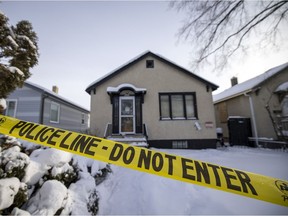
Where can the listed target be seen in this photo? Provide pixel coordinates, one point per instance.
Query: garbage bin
(239, 130)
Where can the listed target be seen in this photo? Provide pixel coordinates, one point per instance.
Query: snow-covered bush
(48, 181)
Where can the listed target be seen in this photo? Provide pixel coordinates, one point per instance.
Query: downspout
(253, 118)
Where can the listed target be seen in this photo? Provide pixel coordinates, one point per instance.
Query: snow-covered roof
(53, 94)
(94, 84)
(248, 85)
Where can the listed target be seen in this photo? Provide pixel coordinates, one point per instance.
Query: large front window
(175, 106)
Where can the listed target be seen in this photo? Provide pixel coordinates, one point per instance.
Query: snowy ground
(132, 192)
(129, 192)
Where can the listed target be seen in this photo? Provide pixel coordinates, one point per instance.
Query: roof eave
(233, 96)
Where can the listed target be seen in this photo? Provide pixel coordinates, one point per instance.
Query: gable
(139, 58)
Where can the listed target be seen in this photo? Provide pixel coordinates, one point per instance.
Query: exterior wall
(69, 119)
(239, 106)
(160, 79)
(264, 97)
(28, 104)
(29, 109)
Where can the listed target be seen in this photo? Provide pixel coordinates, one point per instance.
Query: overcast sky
(80, 42)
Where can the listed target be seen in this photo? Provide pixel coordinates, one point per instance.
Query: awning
(125, 86)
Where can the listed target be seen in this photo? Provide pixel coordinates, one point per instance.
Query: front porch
(138, 139)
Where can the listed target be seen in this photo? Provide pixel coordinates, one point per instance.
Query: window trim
(58, 117)
(169, 94)
(15, 109)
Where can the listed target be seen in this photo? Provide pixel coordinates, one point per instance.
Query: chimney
(55, 89)
(234, 81)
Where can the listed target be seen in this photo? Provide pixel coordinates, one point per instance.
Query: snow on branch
(32, 45)
(13, 42)
(3, 103)
(13, 69)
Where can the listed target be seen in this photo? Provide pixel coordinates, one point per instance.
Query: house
(36, 104)
(262, 99)
(151, 99)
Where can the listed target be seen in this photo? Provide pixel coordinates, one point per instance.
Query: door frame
(133, 115)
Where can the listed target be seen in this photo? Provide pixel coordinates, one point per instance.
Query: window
(177, 106)
(82, 118)
(54, 112)
(180, 144)
(149, 63)
(11, 108)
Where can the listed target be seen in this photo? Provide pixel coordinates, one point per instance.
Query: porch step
(135, 140)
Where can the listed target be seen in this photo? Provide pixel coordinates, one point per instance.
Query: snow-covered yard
(56, 182)
(132, 192)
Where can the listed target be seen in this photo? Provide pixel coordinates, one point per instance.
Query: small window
(149, 63)
(177, 106)
(54, 112)
(82, 118)
(11, 108)
(180, 144)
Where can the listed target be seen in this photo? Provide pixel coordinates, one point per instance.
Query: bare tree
(220, 28)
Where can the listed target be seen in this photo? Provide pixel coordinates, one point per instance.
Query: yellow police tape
(171, 166)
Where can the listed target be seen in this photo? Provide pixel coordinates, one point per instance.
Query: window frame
(7, 108)
(150, 63)
(83, 118)
(58, 109)
(183, 95)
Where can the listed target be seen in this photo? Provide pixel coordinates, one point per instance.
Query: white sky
(80, 42)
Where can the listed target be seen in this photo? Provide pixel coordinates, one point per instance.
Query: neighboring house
(36, 104)
(153, 100)
(263, 99)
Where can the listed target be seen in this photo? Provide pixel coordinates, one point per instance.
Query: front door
(127, 115)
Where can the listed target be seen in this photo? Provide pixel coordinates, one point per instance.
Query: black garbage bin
(239, 130)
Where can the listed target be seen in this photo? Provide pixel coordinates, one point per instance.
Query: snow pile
(43, 160)
(48, 199)
(8, 189)
(48, 181)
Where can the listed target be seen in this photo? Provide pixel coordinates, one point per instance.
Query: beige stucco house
(150, 99)
(263, 99)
